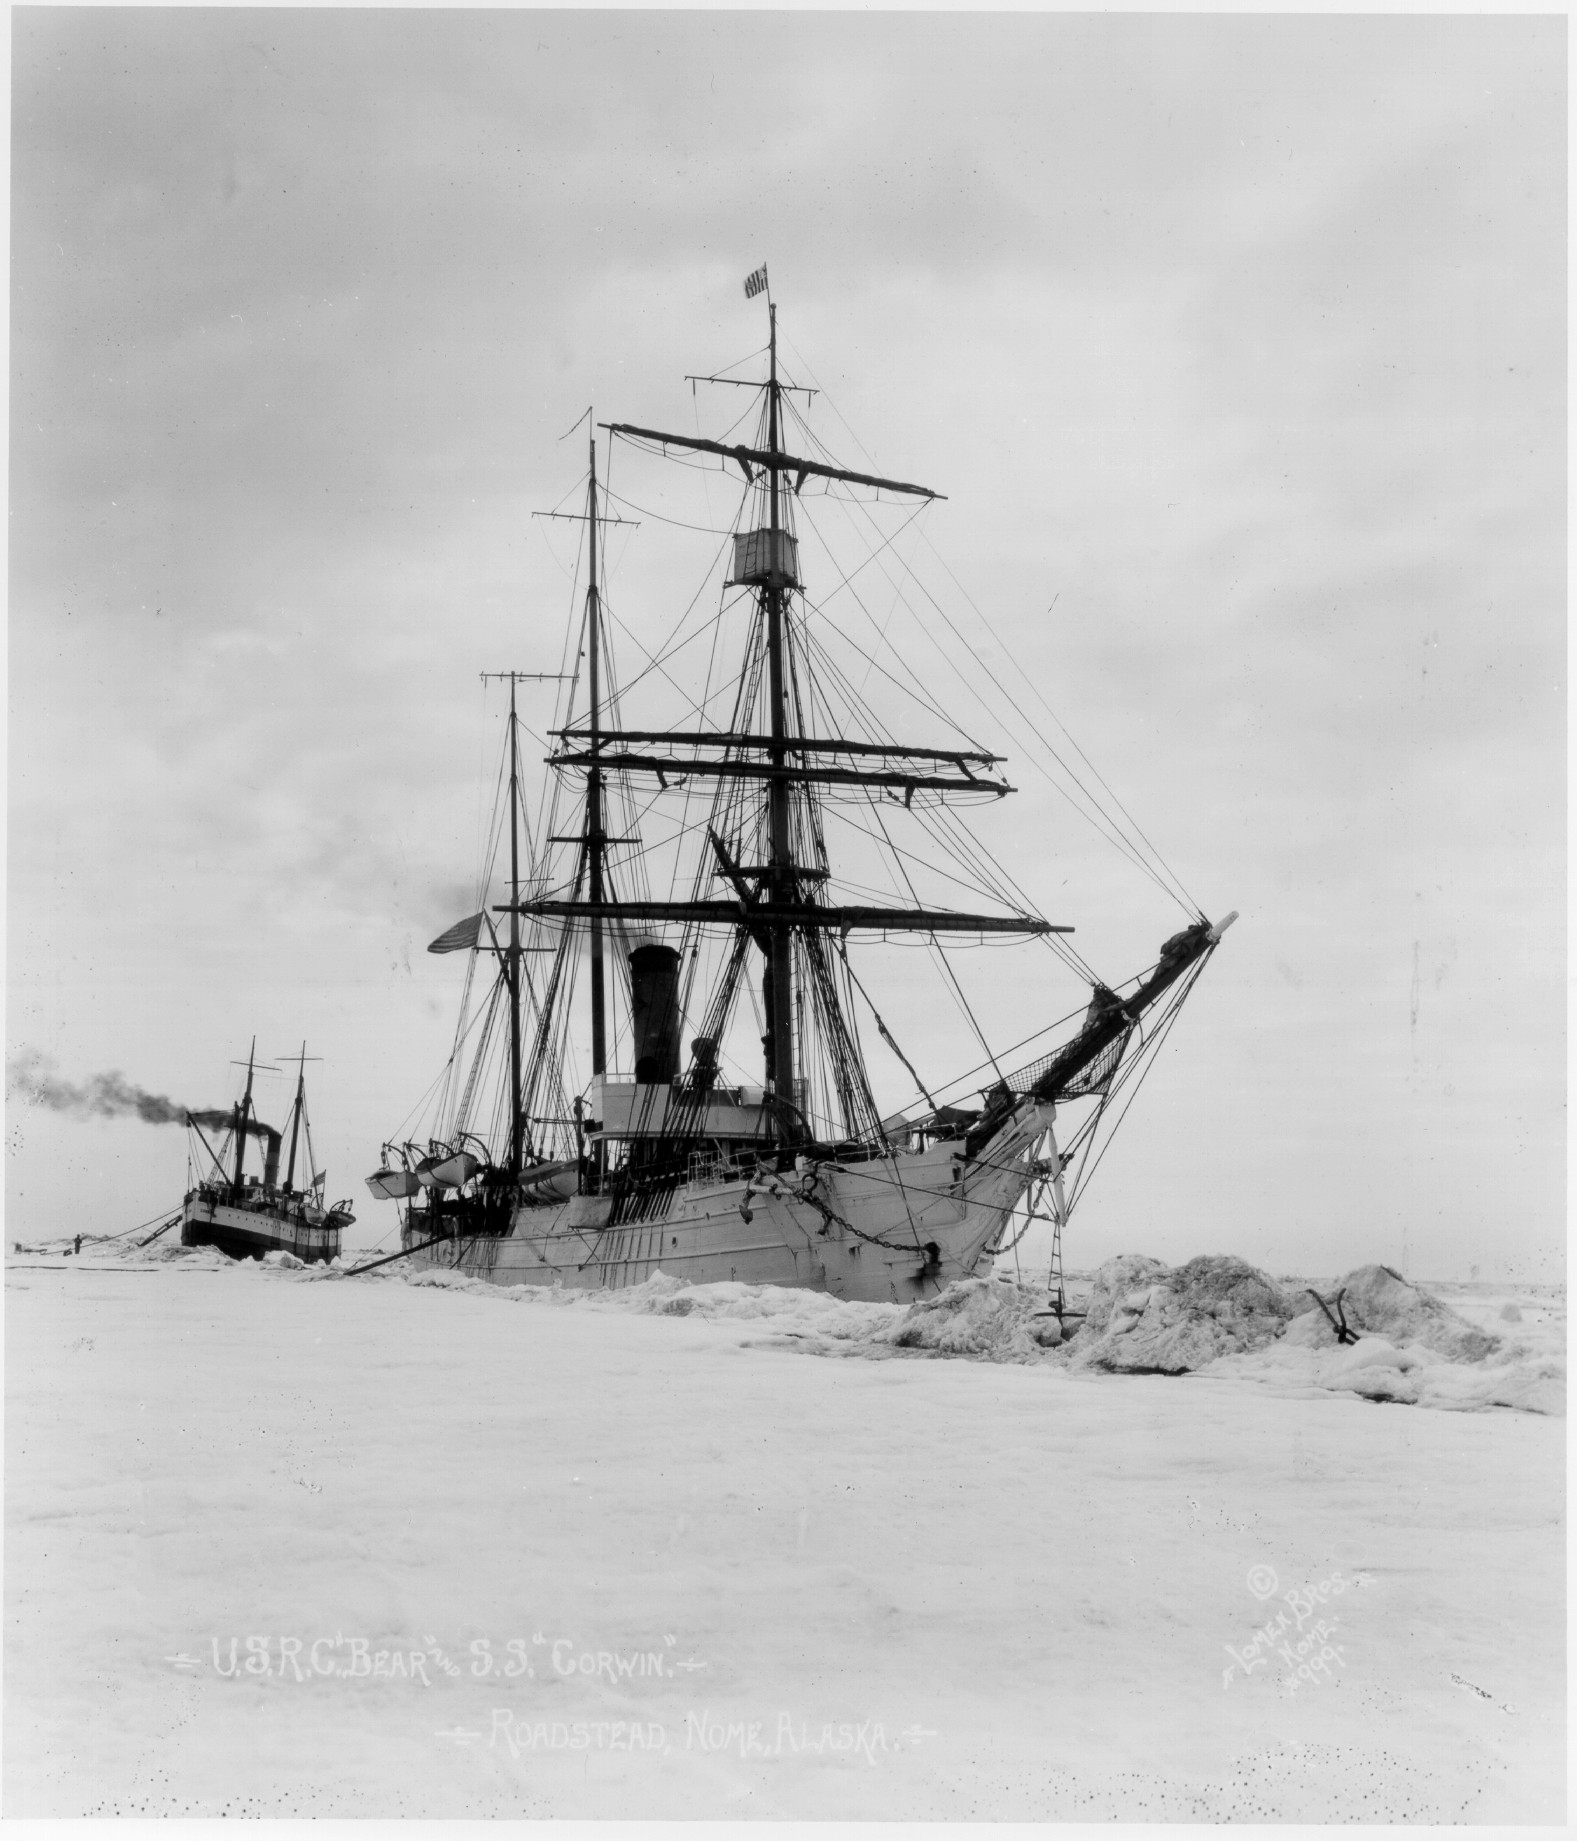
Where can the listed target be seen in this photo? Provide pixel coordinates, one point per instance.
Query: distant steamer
(247, 1216)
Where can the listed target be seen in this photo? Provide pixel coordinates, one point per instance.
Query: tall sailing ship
(246, 1215)
(606, 1113)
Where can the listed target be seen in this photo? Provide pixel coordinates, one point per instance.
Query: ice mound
(975, 1316)
(1374, 1369)
(1227, 1318)
(1412, 1350)
(1146, 1319)
(1377, 1301)
(1411, 1374)
(201, 1259)
(441, 1278)
(1127, 1274)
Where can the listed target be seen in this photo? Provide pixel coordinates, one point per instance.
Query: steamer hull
(249, 1232)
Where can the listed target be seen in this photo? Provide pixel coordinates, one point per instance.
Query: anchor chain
(1042, 1170)
(765, 1182)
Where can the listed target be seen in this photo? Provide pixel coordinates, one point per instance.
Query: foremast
(243, 1115)
(297, 1112)
(595, 843)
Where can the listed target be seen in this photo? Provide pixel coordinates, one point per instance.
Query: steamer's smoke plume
(31, 1077)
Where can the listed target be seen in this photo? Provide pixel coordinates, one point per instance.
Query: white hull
(889, 1230)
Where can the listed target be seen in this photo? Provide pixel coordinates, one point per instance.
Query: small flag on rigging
(754, 284)
(461, 937)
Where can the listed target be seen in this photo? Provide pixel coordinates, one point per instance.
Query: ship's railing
(703, 1167)
(291, 1208)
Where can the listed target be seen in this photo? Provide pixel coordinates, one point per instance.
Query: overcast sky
(1237, 344)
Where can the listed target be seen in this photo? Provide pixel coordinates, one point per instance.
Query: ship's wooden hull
(889, 1230)
(248, 1233)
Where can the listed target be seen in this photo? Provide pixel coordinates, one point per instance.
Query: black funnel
(270, 1139)
(654, 1013)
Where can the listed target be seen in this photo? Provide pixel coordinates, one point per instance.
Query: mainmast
(243, 1114)
(596, 834)
(782, 879)
(295, 1116)
(774, 899)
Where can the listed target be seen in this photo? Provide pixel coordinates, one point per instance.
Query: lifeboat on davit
(454, 1170)
(392, 1185)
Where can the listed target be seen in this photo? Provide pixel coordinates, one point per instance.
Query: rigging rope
(1156, 868)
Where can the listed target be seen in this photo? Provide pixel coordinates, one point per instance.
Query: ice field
(284, 1543)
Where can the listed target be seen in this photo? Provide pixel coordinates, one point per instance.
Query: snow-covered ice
(511, 1552)
(1222, 1316)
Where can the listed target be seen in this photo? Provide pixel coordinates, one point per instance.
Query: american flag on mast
(756, 284)
(461, 937)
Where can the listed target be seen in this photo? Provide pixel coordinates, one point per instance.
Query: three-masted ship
(248, 1215)
(637, 1128)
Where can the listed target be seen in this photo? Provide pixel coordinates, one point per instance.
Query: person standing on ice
(78, 1247)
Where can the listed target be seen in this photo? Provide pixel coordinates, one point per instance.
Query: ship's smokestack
(271, 1142)
(703, 1064)
(654, 1013)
